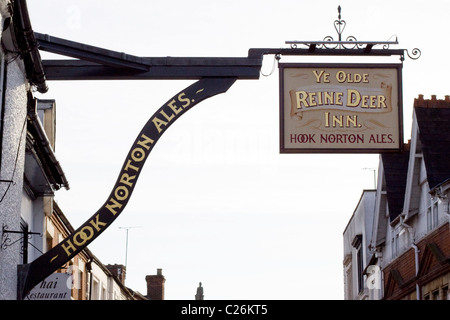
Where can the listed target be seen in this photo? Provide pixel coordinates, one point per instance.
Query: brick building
(408, 256)
(31, 222)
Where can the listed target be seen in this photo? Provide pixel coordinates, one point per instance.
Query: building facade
(31, 222)
(410, 241)
(20, 73)
(357, 237)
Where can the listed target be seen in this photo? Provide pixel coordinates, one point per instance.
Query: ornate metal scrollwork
(349, 43)
(415, 54)
(339, 26)
(7, 241)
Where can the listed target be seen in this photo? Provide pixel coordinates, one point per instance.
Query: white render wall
(12, 163)
(31, 211)
(361, 223)
(99, 283)
(105, 287)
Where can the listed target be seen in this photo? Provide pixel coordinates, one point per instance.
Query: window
(435, 295)
(357, 244)
(400, 239)
(432, 214)
(79, 286)
(348, 275)
(95, 290)
(396, 241)
(445, 293)
(48, 241)
(394, 244)
(440, 293)
(359, 260)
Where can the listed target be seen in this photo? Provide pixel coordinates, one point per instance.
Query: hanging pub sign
(340, 108)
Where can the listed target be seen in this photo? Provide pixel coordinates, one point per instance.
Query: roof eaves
(28, 46)
(395, 174)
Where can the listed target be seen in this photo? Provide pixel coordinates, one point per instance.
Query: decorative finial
(339, 25)
(199, 295)
(350, 42)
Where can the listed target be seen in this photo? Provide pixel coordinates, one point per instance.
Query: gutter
(28, 46)
(416, 258)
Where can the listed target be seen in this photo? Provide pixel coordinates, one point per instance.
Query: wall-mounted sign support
(7, 241)
(214, 75)
(36, 271)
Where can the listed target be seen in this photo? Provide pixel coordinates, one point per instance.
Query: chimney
(118, 270)
(155, 286)
(433, 102)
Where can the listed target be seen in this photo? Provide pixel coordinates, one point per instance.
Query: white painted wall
(104, 286)
(12, 164)
(360, 223)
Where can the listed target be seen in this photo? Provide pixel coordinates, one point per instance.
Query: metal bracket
(8, 242)
(350, 43)
(59, 255)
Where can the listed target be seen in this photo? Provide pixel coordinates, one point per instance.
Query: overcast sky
(216, 202)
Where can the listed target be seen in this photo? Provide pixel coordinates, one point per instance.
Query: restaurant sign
(57, 286)
(340, 108)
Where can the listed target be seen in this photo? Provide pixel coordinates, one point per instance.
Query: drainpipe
(416, 258)
(2, 111)
(89, 270)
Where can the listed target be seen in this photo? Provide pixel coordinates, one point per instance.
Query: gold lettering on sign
(128, 176)
(163, 121)
(354, 98)
(81, 237)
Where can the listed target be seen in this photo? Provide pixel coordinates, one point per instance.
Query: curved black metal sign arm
(33, 273)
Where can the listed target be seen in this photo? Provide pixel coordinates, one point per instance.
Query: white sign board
(57, 286)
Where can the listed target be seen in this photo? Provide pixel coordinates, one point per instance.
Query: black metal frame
(31, 274)
(101, 64)
(215, 76)
(7, 242)
(96, 63)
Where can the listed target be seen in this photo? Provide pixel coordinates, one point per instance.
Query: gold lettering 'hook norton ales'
(29, 275)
